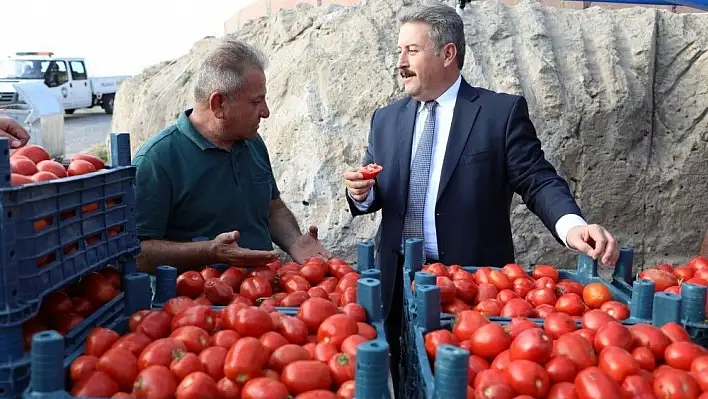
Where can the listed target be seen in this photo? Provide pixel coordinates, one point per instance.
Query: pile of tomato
(272, 285)
(64, 309)
(512, 292)
(189, 350)
(601, 360)
(32, 163)
(669, 278)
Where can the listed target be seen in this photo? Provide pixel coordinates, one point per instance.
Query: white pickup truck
(66, 78)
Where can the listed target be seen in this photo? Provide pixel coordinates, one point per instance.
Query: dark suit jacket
(492, 152)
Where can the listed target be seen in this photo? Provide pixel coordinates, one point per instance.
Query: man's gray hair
(446, 27)
(224, 67)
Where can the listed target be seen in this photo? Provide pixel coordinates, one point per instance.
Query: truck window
(78, 72)
(57, 74)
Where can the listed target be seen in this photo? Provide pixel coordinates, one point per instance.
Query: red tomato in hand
(370, 171)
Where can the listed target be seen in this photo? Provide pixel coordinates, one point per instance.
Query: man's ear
(449, 52)
(217, 101)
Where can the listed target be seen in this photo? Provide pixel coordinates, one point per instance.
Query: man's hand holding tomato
(360, 181)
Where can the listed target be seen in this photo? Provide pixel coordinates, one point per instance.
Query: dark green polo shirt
(187, 187)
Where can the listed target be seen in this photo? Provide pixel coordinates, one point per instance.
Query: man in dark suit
(453, 155)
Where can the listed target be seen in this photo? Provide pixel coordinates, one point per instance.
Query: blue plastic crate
(15, 363)
(450, 382)
(84, 221)
(50, 366)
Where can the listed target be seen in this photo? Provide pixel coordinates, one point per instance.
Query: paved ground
(85, 128)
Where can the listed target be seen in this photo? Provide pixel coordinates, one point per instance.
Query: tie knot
(430, 105)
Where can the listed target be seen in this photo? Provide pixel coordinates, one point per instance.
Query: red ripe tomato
(342, 367)
(486, 291)
(356, 311)
(505, 296)
(490, 340)
(154, 382)
(264, 388)
(616, 309)
(528, 378)
(517, 325)
(285, 355)
(324, 351)
(514, 271)
(161, 352)
(155, 324)
(346, 390)
(438, 269)
(522, 286)
(561, 369)
(96, 385)
(466, 323)
(447, 289)
(499, 280)
(540, 296)
(501, 361)
(577, 349)
(562, 390)
(185, 365)
(350, 344)
(644, 357)
(294, 330)
(571, 304)
(336, 328)
(213, 360)
(314, 311)
(34, 152)
(679, 355)
(593, 383)
(545, 282)
(218, 292)
(532, 344)
(370, 171)
(121, 365)
(617, 363)
(595, 319)
(80, 167)
(516, 307)
(99, 341)
(98, 289)
(489, 307)
(197, 385)
(82, 366)
(651, 337)
(366, 330)
(673, 383)
(229, 389)
(675, 332)
(313, 273)
(613, 334)
(134, 342)
(190, 284)
(568, 286)
(557, 324)
(177, 304)
(543, 311)
(253, 322)
(195, 339)
(97, 162)
(545, 271)
(596, 294)
(245, 359)
(662, 279)
(436, 338)
(699, 262)
(306, 375)
(683, 273)
(256, 287)
(199, 315)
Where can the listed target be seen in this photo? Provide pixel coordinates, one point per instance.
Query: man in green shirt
(209, 175)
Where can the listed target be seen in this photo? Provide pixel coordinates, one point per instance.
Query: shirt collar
(448, 98)
(186, 127)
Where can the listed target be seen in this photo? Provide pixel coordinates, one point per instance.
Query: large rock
(618, 98)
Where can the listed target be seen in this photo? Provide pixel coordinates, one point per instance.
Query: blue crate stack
(33, 262)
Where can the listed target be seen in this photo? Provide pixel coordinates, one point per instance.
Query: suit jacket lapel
(406, 125)
(463, 118)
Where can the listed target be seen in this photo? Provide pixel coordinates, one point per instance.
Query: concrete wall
(262, 8)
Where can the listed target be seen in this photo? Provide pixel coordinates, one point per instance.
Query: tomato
(346, 390)
(674, 383)
(634, 386)
(699, 262)
(557, 324)
(156, 381)
(64, 323)
(264, 388)
(514, 271)
(112, 275)
(350, 344)
(466, 323)
(294, 330)
(121, 365)
(679, 355)
(540, 296)
(532, 344)
(253, 322)
(23, 166)
(684, 273)
(499, 280)
(356, 311)
(97, 385)
(295, 299)
(317, 292)
(568, 287)
(517, 325)
(436, 338)
(596, 294)
(218, 292)
(306, 375)
(561, 369)
(286, 354)
(135, 342)
(651, 337)
(505, 296)
(516, 307)
(501, 361)
(137, 318)
(595, 319)
(528, 378)
(447, 289)
(699, 364)
(34, 152)
(97, 162)
(342, 367)
(43, 176)
(489, 307)
(577, 349)
(543, 311)
(200, 316)
(522, 286)
(190, 284)
(155, 324)
(613, 334)
(255, 287)
(486, 291)
(213, 360)
(644, 357)
(195, 339)
(370, 171)
(293, 283)
(98, 289)
(490, 340)
(336, 328)
(225, 338)
(80, 167)
(317, 394)
(616, 309)
(617, 363)
(662, 279)
(545, 271)
(177, 304)
(99, 341)
(563, 390)
(228, 389)
(593, 383)
(186, 364)
(545, 282)
(17, 179)
(366, 330)
(571, 304)
(245, 359)
(82, 366)
(197, 385)
(675, 332)
(500, 390)
(161, 352)
(272, 340)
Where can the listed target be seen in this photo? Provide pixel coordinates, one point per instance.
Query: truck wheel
(69, 111)
(108, 103)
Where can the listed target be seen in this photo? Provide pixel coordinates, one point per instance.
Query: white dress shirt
(443, 122)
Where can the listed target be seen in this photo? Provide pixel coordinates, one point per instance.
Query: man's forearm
(284, 229)
(181, 255)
